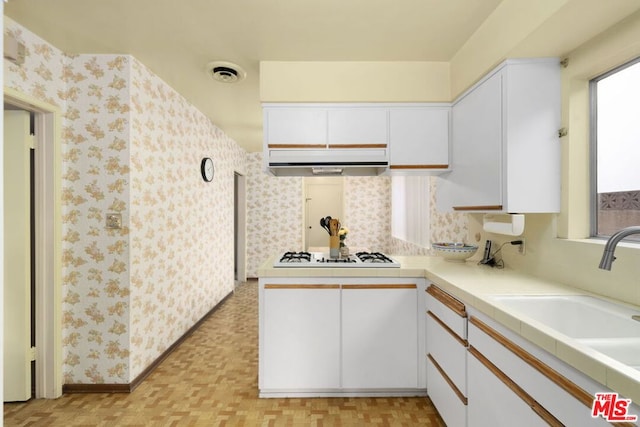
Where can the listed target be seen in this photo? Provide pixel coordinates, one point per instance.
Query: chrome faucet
(610, 247)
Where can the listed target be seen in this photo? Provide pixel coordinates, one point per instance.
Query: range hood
(327, 162)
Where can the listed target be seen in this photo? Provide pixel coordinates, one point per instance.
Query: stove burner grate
(296, 257)
(373, 257)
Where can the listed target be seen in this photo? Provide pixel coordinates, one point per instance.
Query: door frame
(240, 228)
(307, 220)
(48, 225)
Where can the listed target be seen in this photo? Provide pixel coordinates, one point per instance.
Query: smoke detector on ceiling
(226, 72)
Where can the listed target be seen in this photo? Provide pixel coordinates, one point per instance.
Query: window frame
(593, 146)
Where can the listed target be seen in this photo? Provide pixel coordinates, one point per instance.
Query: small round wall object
(206, 169)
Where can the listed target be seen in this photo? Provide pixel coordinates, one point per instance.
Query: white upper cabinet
(358, 126)
(294, 125)
(505, 145)
(477, 149)
(369, 138)
(419, 138)
(326, 126)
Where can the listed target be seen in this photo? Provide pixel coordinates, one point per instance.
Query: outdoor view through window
(616, 107)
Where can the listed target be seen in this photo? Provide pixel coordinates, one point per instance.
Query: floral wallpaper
(368, 212)
(274, 214)
(95, 176)
(131, 145)
(181, 226)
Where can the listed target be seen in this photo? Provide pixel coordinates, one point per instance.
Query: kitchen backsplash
(275, 213)
(275, 216)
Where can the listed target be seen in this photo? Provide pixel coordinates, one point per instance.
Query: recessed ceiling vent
(226, 72)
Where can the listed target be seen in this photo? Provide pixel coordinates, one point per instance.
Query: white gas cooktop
(320, 259)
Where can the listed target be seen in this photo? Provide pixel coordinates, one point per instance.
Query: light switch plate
(114, 221)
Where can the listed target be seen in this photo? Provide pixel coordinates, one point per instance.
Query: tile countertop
(475, 285)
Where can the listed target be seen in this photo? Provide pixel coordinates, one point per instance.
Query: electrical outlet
(114, 221)
(521, 247)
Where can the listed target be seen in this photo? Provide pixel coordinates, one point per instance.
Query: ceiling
(176, 39)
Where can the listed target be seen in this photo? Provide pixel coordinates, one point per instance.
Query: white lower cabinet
(451, 406)
(492, 403)
(480, 374)
(553, 388)
(298, 338)
(357, 337)
(446, 356)
(379, 336)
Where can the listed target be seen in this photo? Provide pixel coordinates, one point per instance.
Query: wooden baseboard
(128, 388)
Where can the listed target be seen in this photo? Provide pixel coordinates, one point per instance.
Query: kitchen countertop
(406, 270)
(475, 285)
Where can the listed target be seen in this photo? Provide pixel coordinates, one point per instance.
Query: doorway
(323, 197)
(239, 228)
(45, 248)
(19, 274)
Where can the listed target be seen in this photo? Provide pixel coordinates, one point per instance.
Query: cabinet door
(491, 403)
(380, 336)
(419, 138)
(558, 394)
(358, 126)
(300, 345)
(295, 126)
(477, 148)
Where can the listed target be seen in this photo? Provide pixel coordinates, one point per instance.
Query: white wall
(362, 81)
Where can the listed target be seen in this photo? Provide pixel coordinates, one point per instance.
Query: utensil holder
(334, 247)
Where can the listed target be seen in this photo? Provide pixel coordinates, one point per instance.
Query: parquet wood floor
(211, 379)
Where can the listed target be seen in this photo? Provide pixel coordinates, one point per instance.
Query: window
(615, 118)
(410, 209)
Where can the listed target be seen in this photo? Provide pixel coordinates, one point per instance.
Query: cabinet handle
(448, 380)
(462, 342)
(276, 286)
(418, 166)
(446, 299)
(296, 146)
(535, 406)
(388, 286)
(560, 380)
(357, 145)
(478, 208)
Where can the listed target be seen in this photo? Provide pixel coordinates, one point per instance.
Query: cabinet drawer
(450, 405)
(449, 350)
(448, 309)
(564, 399)
(495, 403)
